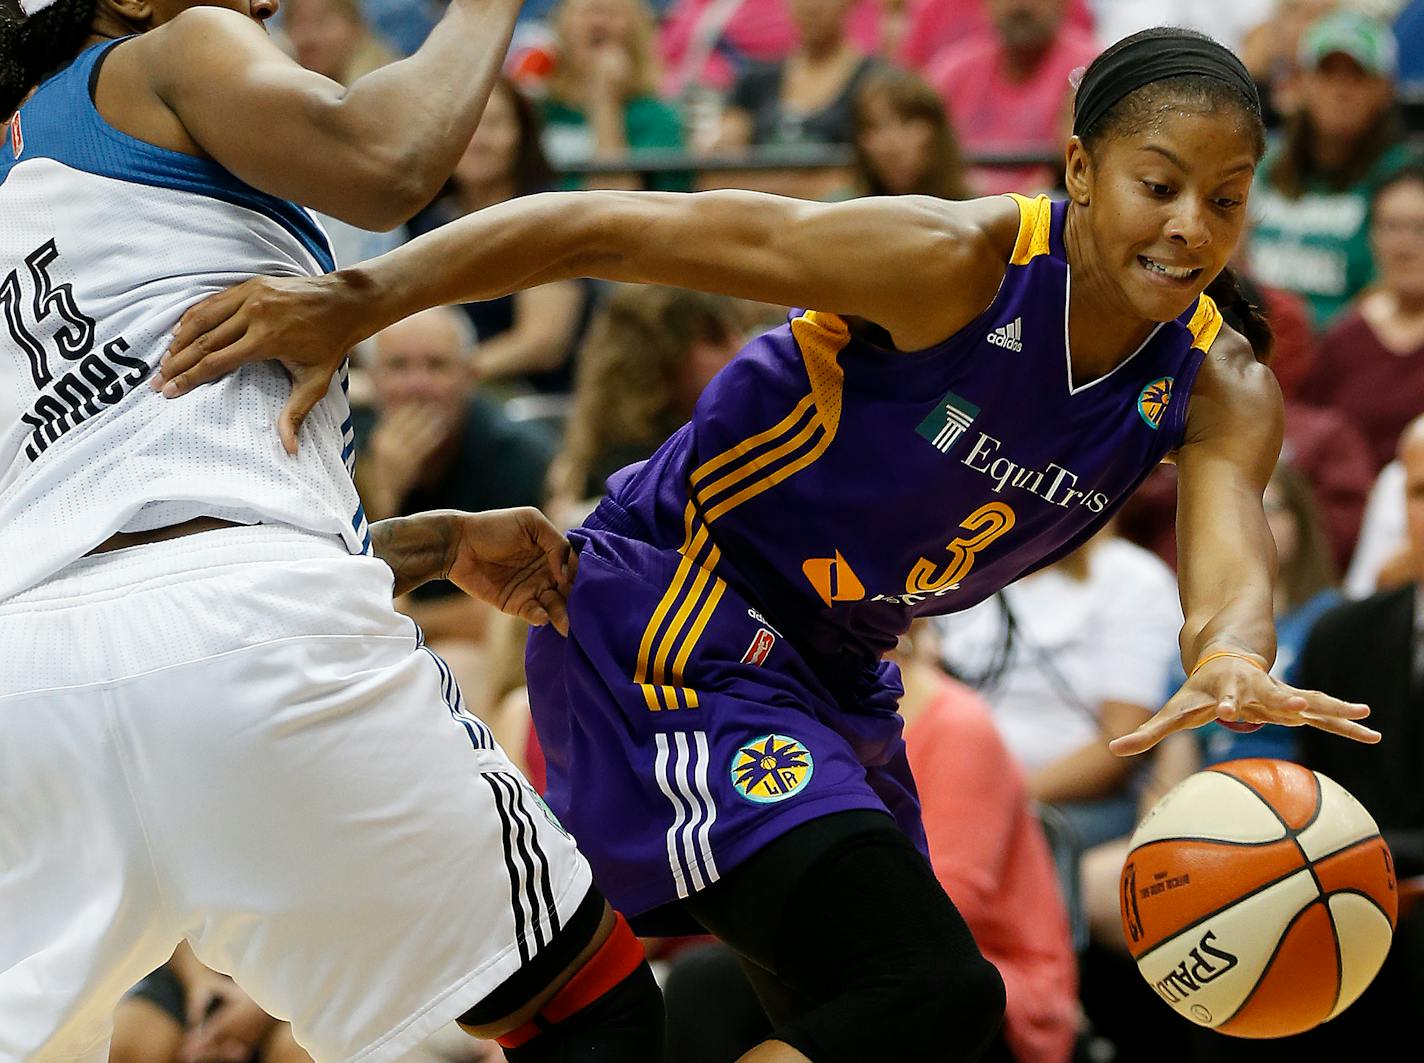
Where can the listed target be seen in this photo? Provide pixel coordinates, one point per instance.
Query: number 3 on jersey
(984, 525)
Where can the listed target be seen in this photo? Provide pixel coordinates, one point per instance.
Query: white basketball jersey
(104, 242)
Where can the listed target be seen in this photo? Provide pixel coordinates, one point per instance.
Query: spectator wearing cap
(1310, 206)
(1007, 89)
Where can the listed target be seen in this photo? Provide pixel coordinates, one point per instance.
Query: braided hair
(33, 45)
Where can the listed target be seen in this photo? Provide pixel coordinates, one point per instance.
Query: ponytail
(1241, 312)
(33, 45)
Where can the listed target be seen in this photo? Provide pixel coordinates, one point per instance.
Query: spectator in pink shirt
(1007, 88)
(709, 43)
(934, 25)
(1001, 873)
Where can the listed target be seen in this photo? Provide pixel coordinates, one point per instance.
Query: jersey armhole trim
(1035, 228)
(1205, 323)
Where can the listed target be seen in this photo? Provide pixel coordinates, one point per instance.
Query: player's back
(107, 240)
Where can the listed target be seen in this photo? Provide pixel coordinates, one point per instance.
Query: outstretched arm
(1227, 564)
(920, 267)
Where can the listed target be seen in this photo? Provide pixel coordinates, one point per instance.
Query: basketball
(1258, 898)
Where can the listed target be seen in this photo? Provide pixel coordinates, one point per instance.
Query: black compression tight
(855, 950)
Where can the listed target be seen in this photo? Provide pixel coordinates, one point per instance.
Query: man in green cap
(1311, 204)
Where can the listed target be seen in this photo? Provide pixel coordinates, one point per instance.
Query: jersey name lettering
(78, 392)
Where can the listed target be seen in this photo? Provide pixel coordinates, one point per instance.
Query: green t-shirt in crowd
(1316, 245)
(648, 122)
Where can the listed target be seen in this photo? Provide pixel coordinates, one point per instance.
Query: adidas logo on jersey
(1009, 337)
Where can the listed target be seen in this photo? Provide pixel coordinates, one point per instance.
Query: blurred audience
(1370, 364)
(1271, 52)
(1007, 88)
(649, 354)
(185, 1013)
(1310, 203)
(526, 340)
(1380, 561)
(903, 141)
(706, 44)
(1228, 21)
(432, 441)
(601, 96)
(331, 38)
(1409, 32)
(1000, 875)
(934, 25)
(805, 98)
(1069, 657)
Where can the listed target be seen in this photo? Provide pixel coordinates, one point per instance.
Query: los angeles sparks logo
(1152, 403)
(771, 768)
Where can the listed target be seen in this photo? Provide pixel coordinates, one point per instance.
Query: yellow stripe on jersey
(820, 338)
(1035, 224)
(753, 465)
(699, 559)
(1205, 323)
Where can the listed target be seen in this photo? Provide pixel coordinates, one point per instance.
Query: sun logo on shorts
(1152, 403)
(771, 768)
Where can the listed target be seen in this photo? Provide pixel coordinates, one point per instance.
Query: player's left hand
(517, 561)
(1239, 694)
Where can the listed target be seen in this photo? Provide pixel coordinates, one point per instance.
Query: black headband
(1142, 60)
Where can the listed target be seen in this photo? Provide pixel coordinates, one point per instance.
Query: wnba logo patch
(771, 768)
(760, 647)
(17, 138)
(1152, 402)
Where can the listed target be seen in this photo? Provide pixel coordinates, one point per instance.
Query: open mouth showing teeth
(1174, 272)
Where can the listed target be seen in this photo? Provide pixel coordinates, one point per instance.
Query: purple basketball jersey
(826, 492)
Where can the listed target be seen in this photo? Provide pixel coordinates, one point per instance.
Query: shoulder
(961, 249)
(187, 45)
(202, 27)
(1233, 384)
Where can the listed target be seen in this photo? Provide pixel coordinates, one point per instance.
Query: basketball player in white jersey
(213, 725)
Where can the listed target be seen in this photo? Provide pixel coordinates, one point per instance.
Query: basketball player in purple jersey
(980, 388)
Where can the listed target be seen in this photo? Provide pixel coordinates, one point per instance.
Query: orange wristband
(1224, 653)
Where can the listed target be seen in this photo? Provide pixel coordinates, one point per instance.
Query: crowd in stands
(538, 397)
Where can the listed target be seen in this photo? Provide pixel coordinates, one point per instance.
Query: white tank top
(105, 241)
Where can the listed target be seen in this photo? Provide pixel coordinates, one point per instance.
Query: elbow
(388, 191)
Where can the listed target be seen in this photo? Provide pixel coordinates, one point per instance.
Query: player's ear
(137, 13)
(1078, 172)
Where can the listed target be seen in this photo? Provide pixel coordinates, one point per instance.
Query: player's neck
(1103, 329)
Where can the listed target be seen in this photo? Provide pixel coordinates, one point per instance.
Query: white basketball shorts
(232, 737)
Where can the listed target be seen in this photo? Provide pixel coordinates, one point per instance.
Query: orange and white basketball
(1258, 898)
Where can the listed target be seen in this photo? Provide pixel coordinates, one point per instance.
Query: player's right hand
(306, 323)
